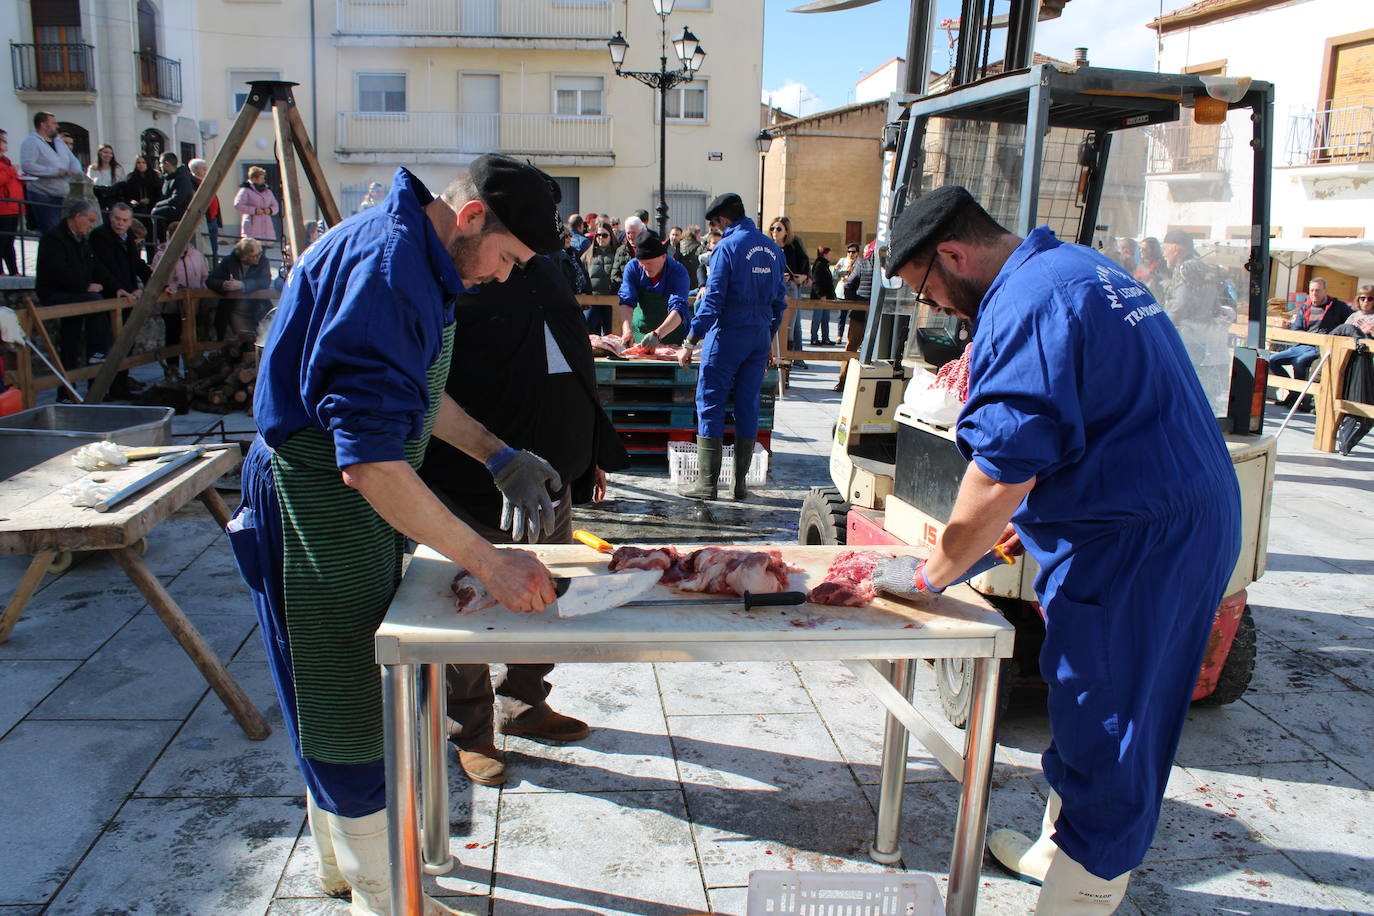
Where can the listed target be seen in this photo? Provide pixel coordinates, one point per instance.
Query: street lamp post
(762, 141)
(690, 54)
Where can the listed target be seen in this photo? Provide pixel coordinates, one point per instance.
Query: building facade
(431, 84)
(1323, 177)
(112, 71)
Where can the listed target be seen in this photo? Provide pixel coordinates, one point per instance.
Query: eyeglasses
(603, 235)
(1363, 298)
(777, 229)
(921, 298)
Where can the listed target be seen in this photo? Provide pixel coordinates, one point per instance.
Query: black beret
(522, 197)
(721, 202)
(921, 222)
(1178, 237)
(649, 245)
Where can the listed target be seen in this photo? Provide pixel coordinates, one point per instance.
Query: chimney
(1080, 57)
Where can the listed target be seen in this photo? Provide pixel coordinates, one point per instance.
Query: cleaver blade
(579, 595)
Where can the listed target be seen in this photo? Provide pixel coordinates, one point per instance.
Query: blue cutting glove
(524, 480)
(904, 577)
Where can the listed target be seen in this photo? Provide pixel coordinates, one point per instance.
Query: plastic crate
(813, 893)
(682, 464)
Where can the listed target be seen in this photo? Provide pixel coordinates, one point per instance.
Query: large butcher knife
(579, 595)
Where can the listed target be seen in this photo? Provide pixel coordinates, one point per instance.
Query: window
(687, 103)
(238, 88)
(381, 92)
(691, 5)
(578, 96)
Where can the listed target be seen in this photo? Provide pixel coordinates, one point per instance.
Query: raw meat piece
(849, 580)
(664, 353)
(727, 571)
(606, 344)
(469, 594)
(640, 558)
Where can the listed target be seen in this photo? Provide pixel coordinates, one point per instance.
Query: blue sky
(811, 62)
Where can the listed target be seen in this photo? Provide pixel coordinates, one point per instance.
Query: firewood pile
(217, 381)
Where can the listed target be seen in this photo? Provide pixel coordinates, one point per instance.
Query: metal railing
(52, 68)
(159, 77)
(576, 19)
(1184, 148)
(1335, 133)
(458, 132)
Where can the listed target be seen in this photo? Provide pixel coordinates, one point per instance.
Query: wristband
(497, 463)
(923, 583)
(689, 341)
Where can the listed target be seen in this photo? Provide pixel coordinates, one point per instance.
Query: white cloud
(1114, 33)
(794, 98)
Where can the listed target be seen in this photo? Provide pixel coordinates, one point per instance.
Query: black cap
(522, 197)
(649, 245)
(721, 202)
(1178, 237)
(921, 222)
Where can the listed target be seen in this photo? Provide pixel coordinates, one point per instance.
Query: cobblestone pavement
(130, 790)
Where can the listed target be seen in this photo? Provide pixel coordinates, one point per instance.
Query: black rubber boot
(744, 456)
(708, 469)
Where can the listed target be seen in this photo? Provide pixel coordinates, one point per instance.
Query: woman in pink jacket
(258, 205)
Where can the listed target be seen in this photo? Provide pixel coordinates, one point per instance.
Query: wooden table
(880, 643)
(35, 520)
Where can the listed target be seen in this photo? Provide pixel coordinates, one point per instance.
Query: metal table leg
(970, 827)
(403, 840)
(434, 769)
(885, 847)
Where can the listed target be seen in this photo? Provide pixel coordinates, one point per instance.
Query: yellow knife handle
(593, 541)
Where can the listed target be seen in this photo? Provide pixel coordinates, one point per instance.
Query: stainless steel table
(880, 644)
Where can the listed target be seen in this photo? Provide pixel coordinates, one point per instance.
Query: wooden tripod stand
(292, 142)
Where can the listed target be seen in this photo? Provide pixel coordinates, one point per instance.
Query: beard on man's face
(961, 294)
(463, 251)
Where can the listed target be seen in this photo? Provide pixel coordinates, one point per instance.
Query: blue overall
(359, 323)
(736, 319)
(1078, 379)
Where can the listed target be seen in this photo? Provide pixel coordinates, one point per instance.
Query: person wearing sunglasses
(1087, 429)
(1361, 321)
(599, 261)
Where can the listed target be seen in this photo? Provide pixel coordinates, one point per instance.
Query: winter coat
(822, 283)
(190, 272)
(623, 255)
(44, 160)
(600, 264)
(177, 190)
(797, 261)
(118, 260)
(689, 252)
(256, 197)
(10, 186)
(140, 186)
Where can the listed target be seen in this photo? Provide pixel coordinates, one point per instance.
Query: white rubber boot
(1018, 855)
(360, 846)
(1072, 890)
(331, 879)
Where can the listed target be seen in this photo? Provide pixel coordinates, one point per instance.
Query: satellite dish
(830, 6)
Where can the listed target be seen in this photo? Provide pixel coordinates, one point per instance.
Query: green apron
(342, 565)
(649, 314)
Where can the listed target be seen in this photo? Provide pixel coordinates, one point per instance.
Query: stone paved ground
(128, 789)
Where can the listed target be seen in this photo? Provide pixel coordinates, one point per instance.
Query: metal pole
(891, 783)
(1037, 123)
(434, 770)
(919, 31)
(1262, 139)
(403, 837)
(763, 164)
(971, 824)
(663, 147)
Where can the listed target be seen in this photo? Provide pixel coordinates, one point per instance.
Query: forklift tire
(1238, 668)
(954, 683)
(824, 518)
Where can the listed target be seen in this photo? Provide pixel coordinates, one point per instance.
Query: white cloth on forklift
(98, 455)
(930, 403)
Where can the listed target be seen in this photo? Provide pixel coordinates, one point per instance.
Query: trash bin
(30, 437)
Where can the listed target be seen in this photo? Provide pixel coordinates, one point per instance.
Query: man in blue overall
(350, 389)
(735, 322)
(1087, 428)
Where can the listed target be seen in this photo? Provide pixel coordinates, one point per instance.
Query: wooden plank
(186, 230)
(252, 722)
(314, 172)
(27, 586)
(42, 332)
(1327, 419)
(1355, 409)
(290, 186)
(209, 497)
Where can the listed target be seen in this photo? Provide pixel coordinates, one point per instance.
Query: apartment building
(111, 70)
(1322, 69)
(430, 84)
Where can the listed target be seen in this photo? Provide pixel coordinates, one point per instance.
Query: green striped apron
(342, 565)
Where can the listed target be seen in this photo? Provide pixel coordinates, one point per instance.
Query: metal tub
(31, 437)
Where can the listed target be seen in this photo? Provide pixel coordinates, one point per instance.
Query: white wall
(14, 115)
(882, 82)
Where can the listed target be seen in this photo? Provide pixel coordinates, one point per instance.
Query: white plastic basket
(813, 893)
(682, 464)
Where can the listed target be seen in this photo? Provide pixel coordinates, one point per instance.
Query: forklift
(1033, 141)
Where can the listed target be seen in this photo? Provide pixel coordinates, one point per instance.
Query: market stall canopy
(1354, 257)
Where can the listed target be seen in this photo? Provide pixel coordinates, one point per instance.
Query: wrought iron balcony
(543, 20)
(1334, 134)
(159, 77)
(52, 68)
(1189, 149)
(448, 133)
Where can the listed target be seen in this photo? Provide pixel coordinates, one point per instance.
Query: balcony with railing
(1189, 149)
(1339, 134)
(41, 70)
(575, 24)
(457, 137)
(159, 82)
